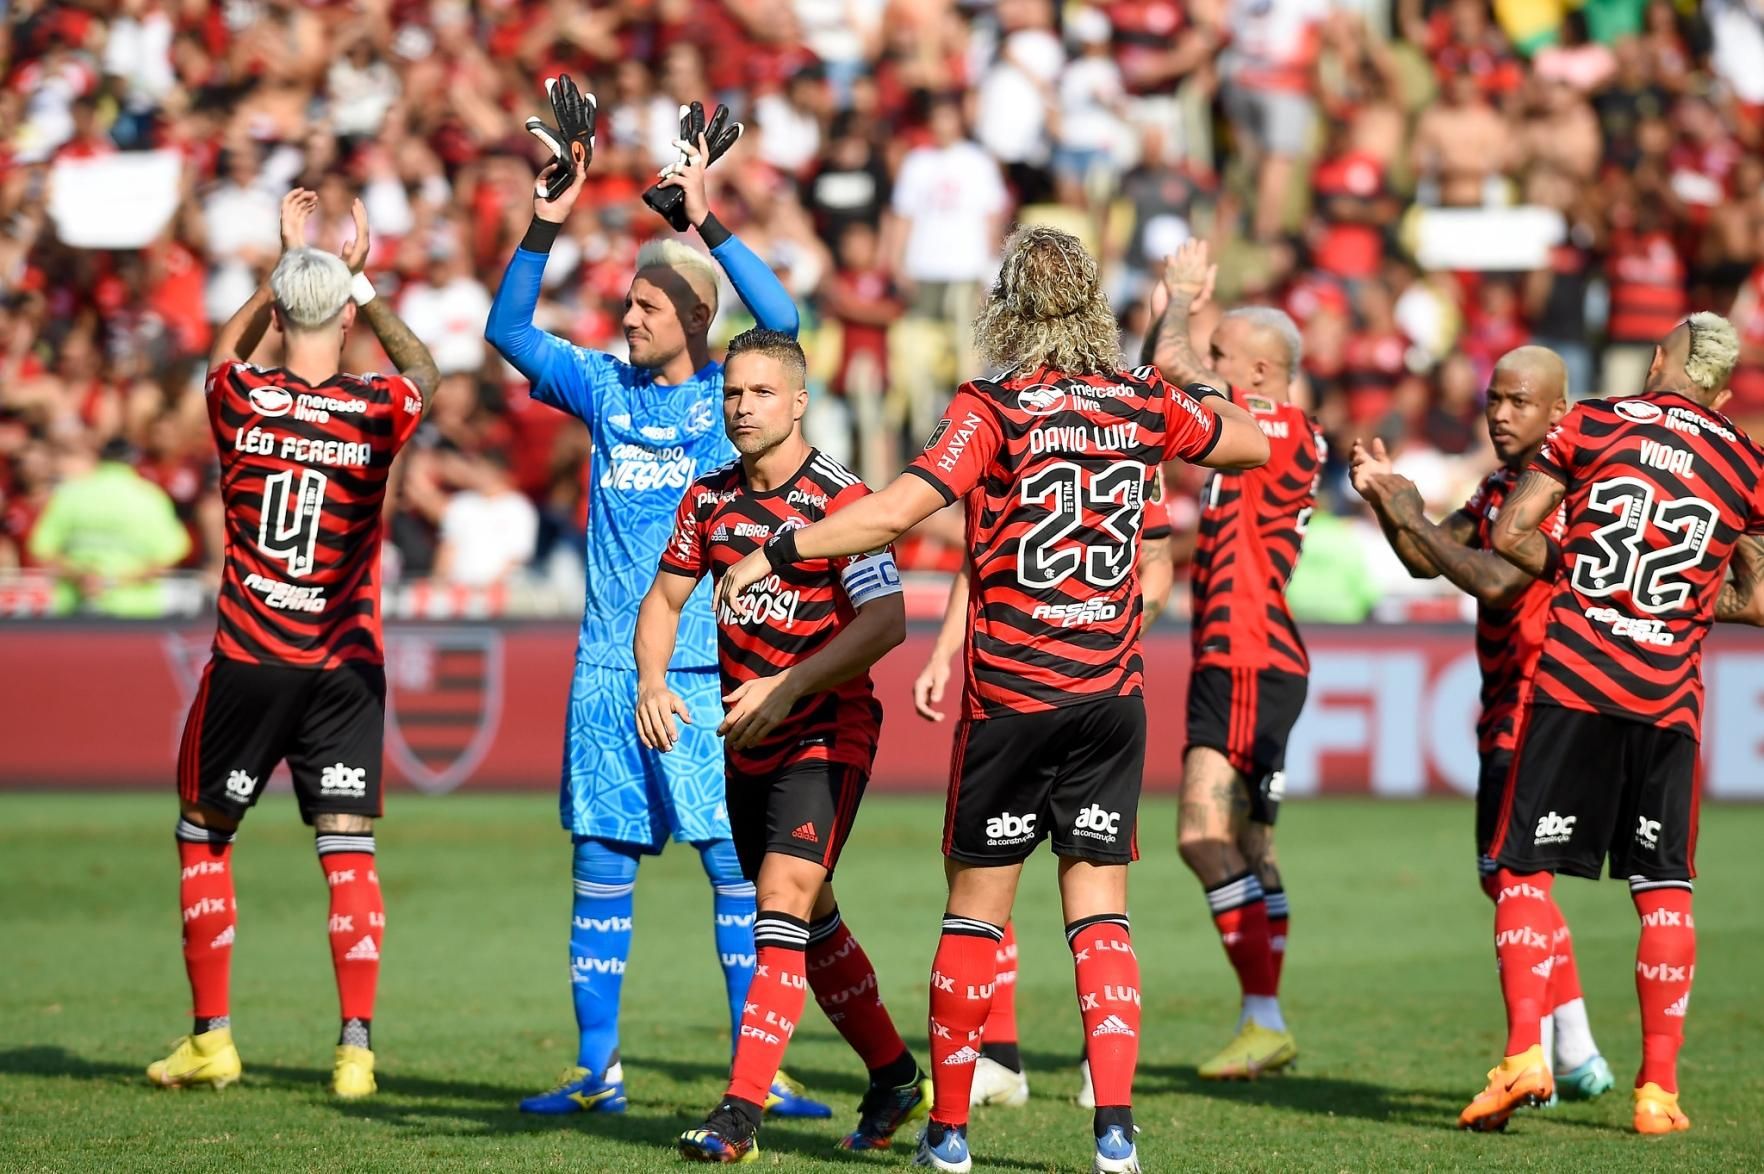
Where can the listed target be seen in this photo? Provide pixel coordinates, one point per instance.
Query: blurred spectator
(949, 209)
(106, 534)
(489, 530)
(1324, 150)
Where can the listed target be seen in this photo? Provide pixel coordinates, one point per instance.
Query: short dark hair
(773, 344)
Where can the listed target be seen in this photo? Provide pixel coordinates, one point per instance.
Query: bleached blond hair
(1047, 307)
(685, 260)
(311, 287)
(1713, 352)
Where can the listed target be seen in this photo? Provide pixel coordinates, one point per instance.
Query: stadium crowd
(1360, 166)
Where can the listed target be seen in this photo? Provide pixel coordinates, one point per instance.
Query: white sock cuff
(1235, 893)
(329, 843)
(191, 833)
(604, 892)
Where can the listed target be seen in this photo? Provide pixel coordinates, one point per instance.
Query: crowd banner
(1391, 709)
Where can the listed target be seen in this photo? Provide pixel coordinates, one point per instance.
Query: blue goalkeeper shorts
(615, 788)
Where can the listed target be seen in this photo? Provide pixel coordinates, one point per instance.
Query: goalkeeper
(656, 423)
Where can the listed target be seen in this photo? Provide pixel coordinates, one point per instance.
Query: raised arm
(239, 336)
(543, 358)
(1518, 535)
(1187, 285)
(405, 349)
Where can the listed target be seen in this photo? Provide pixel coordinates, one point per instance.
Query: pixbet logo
(1554, 829)
(1006, 828)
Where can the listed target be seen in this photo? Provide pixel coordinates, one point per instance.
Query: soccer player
(1249, 674)
(654, 426)
(1526, 398)
(999, 1078)
(1052, 461)
(800, 736)
(1659, 491)
(298, 669)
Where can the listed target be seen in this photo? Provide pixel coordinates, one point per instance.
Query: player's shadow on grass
(44, 1060)
(1322, 1096)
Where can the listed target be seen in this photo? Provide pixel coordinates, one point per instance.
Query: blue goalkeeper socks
(734, 907)
(600, 941)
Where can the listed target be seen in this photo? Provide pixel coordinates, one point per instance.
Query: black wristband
(781, 550)
(541, 234)
(1552, 560)
(712, 231)
(1200, 391)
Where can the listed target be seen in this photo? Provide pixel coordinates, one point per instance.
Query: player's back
(1060, 468)
(303, 479)
(1658, 490)
(1251, 527)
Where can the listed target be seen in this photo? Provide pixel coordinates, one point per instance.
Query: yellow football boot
(1524, 1079)
(1254, 1052)
(1657, 1111)
(209, 1058)
(353, 1074)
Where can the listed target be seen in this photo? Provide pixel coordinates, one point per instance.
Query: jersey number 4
(1625, 563)
(288, 523)
(1117, 493)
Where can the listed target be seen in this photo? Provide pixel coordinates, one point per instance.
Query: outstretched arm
(1484, 575)
(1518, 535)
(755, 284)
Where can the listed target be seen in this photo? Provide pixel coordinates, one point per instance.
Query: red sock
(1001, 1023)
(1525, 928)
(205, 891)
(358, 923)
(844, 983)
(1665, 964)
(1107, 973)
(962, 975)
(1278, 918)
(774, 1004)
(1564, 974)
(1240, 911)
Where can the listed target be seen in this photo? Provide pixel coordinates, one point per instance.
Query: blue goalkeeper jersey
(649, 441)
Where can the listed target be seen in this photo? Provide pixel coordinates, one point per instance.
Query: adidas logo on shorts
(1113, 1025)
(965, 1056)
(363, 951)
(806, 832)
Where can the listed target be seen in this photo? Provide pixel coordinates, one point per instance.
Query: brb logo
(1006, 828)
(1554, 829)
(1098, 824)
(339, 779)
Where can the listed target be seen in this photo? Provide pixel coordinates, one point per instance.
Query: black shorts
(1491, 788)
(1247, 715)
(1589, 786)
(329, 724)
(1071, 775)
(805, 810)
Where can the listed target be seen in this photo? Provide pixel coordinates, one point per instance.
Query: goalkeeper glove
(574, 112)
(719, 133)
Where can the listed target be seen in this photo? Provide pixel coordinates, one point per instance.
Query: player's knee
(207, 818)
(1208, 854)
(789, 890)
(605, 865)
(340, 823)
(721, 864)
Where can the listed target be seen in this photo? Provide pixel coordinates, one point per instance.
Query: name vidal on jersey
(631, 466)
(1107, 438)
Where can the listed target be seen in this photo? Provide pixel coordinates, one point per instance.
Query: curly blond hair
(1047, 307)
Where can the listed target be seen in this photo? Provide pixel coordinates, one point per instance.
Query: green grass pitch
(1390, 987)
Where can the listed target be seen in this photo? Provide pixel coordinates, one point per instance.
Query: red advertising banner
(1391, 710)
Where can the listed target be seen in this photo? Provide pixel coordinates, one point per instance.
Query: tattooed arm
(1518, 537)
(1444, 547)
(405, 349)
(1740, 601)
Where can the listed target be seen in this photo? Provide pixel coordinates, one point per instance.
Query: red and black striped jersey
(303, 471)
(1251, 526)
(791, 614)
(1509, 638)
(1658, 490)
(1055, 471)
